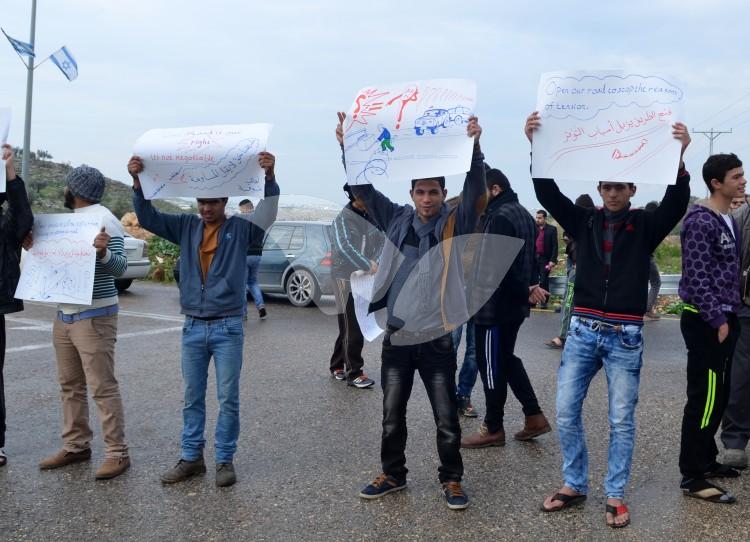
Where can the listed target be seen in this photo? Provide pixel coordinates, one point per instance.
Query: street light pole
(29, 92)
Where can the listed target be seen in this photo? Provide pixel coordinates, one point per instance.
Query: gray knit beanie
(86, 183)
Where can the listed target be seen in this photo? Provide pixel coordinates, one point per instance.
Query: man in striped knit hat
(84, 339)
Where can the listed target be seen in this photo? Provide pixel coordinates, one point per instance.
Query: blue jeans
(201, 339)
(588, 347)
(253, 262)
(467, 376)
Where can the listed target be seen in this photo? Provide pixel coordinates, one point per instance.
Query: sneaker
(382, 485)
(734, 457)
(112, 467)
(454, 495)
(3, 458)
(262, 314)
(183, 470)
(63, 458)
(361, 382)
(339, 374)
(225, 476)
(465, 408)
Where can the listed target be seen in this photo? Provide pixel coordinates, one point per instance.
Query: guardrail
(669, 284)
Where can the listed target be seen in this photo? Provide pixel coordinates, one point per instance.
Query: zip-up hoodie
(223, 291)
(618, 295)
(710, 264)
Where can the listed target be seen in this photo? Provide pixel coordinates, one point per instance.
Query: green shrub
(676, 307)
(163, 255)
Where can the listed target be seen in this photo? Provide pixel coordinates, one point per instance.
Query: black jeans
(735, 426)
(347, 352)
(541, 265)
(2, 381)
(709, 365)
(436, 362)
(500, 367)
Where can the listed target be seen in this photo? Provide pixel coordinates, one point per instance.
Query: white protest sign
(203, 161)
(607, 126)
(4, 130)
(409, 130)
(59, 268)
(362, 284)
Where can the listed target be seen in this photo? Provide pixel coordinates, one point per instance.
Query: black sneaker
(339, 374)
(183, 470)
(454, 495)
(382, 485)
(225, 476)
(262, 314)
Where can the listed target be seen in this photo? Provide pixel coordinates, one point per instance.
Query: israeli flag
(65, 61)
(21, 47)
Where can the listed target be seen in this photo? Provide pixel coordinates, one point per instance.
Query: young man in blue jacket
(710, 287)
(213, 272)
(419, 283)
(613, 248)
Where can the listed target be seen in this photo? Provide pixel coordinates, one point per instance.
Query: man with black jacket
(613, 248)
(497, 323)
(15, 223)
(357, 243)
(546, 250)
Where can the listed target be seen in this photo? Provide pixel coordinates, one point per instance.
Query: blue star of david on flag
(65, 61)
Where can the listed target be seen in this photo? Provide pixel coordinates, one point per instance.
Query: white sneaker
(3, 458)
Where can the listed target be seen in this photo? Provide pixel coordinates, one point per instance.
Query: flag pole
(29, 91)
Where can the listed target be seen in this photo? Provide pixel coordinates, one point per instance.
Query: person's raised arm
(567, 213)
(677, 196)
(379, 207)
(474, 195)
(265, 213)
(164, 225)
(18, 220)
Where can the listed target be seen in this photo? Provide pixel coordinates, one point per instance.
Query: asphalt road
(308, 444)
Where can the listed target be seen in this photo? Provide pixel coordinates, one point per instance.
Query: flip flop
(618, 510)
(706, 491)
(567, 500)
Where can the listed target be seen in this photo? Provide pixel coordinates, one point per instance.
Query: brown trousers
(86, 355)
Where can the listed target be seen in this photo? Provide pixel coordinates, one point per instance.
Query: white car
(139, 265)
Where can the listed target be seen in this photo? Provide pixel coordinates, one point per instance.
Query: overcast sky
(161, 64)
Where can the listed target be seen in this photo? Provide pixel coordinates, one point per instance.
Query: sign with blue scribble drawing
(59, 268)
(203, 161)
(409, 130)
(607, 126)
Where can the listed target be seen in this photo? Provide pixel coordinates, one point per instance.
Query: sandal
(567, 500)
(706, 491)
(3, 458)
(555, 344)
(617, 510)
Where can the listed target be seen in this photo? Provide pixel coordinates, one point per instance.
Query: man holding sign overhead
(84, 337)
(213, 271)
(613, 248)
(419, 282)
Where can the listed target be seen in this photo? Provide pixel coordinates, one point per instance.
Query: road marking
(119, 336)
(153, 316)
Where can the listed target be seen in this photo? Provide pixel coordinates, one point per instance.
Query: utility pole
(29, 91)
(711, 135)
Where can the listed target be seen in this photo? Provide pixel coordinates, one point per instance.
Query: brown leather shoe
(63, 458)
(483, 439)
(533, 426)
(112, 467)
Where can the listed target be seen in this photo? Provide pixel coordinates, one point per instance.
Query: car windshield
(432, 113)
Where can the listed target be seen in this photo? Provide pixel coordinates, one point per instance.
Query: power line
(712, 135)
(723, 109)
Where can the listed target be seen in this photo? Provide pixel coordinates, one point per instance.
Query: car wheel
(302, 288)
(123, 284)
(419, 131)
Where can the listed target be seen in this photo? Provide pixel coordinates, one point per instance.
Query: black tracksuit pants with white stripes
(500, 367)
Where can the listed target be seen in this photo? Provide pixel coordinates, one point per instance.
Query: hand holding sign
(101, 242)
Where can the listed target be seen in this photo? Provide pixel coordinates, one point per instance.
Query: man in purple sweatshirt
(710, 287)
